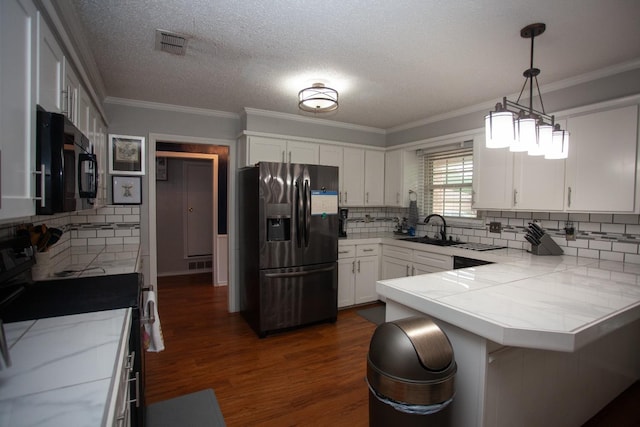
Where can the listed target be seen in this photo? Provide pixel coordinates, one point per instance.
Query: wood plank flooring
(307, 377)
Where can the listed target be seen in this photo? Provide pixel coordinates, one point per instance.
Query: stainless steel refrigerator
(288, 243)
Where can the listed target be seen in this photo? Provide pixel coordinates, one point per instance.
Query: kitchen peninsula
(538, 340)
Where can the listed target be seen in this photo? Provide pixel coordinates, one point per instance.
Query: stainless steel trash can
(410, 372)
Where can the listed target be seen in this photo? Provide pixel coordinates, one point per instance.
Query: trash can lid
(414, 348)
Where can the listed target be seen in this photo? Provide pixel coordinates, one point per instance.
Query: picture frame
(162, 166)
(126, 190)
(126, 154)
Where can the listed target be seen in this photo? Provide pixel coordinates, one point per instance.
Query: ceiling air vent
(169, 42)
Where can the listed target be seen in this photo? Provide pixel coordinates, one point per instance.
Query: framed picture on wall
(161, 169)
(126, 190)
(126, 154)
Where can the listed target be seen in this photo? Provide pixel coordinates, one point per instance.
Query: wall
(611, 237)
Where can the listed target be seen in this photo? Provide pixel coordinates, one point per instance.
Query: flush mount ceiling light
(522, 128)
(318, 99)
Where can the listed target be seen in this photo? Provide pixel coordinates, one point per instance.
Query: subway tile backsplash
(614, 237)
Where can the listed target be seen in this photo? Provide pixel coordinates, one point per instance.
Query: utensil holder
(547, 246)
(40, 269)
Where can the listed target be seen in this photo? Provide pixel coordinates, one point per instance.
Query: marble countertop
(553, 303)
(62, 369)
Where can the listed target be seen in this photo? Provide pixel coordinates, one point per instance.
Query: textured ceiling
(393, 62)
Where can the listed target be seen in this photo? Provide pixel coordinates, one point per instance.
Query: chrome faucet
(443, 232)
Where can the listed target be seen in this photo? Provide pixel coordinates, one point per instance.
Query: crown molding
(170, 107)
(324, 122)
(551, 87)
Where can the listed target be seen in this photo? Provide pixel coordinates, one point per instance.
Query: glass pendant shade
(543, 141)
(559, 148)
(525, 135)
(499, 132)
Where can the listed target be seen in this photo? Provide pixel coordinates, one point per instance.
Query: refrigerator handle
(307, 212)
(298, 206)
(300, 273)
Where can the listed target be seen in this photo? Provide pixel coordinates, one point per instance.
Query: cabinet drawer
(397, 252)
(366, 250)
(442, 262)
(346, 251)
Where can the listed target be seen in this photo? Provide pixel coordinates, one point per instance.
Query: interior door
(199, 208)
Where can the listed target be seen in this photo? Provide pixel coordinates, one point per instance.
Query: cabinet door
(392, 178)
(346, 281)
(266, 150)
(366, 278)
(374, 178)
(18, 35)
(70, 93)
(393, 268)
(601, 168)
(50, 69)
(84, 112)
(492, 176)
(331, 155)
(353, 186)
(303, 152)
(418, 269)
(439, 262)
(538, 183)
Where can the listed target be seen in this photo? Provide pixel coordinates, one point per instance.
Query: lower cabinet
(358, 267)
(403, 262)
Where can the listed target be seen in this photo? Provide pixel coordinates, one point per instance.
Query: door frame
(149, 249)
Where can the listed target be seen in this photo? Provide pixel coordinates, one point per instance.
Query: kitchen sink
(430, 241)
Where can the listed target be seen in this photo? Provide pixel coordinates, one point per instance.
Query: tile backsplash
(614, 237)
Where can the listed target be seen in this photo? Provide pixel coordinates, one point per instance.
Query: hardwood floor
(308, 377)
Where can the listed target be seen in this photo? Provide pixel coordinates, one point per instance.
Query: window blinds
(447, 180)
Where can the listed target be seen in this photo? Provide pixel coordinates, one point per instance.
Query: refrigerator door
(297, 295)
(279, 233)
(319, 217)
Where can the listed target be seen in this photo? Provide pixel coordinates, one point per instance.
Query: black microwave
(67, 166)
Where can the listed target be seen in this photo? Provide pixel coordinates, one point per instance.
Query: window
(448, 179)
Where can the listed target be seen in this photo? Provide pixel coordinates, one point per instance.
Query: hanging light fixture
(318, 99)
(522, 128)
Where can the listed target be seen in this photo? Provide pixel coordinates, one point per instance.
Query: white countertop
(543, 302)
(99, 260)
(62, 369)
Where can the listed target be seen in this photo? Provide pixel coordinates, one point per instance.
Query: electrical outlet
(495, 227)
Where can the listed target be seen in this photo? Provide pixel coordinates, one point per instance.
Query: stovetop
(480, 247)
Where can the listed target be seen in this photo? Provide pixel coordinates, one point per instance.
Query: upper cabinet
(373, 178)
(70, 93)
(331, 155)
(601, 168)
(262, 149)
(492, 176)
(353, 174)
(401, 175)
(18, 59)
(50, 69)
(538, 183)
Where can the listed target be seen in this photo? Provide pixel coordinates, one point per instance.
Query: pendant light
(523, 128)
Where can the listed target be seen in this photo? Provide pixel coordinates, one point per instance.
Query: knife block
(546, 247)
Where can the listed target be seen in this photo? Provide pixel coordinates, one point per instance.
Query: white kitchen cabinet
(492, 176)
(18, 59)
(358, 267)
(84, 112)
(601, 167)
(538, 183)
(331, 155)
(353, 186)
(403, 262)
(50, 69)
(101, 153)
(401, 175)
(262, 149)
(70, 93)
(373, 178)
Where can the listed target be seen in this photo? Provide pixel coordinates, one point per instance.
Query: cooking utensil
(531, 239)
(536, 232)
(537, 227)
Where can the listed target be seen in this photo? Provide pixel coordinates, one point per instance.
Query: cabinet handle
(358, 266)
(569, 197)
(340, 197)
(407, 273)
(473, 197)
(515, 197)
(282, 156)
(353, 267)
(345, 197)
(413, 271)
(65, 99)
(366, 197)
(367, 250)
(42, 197)
(289, 156)
(343, 252)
